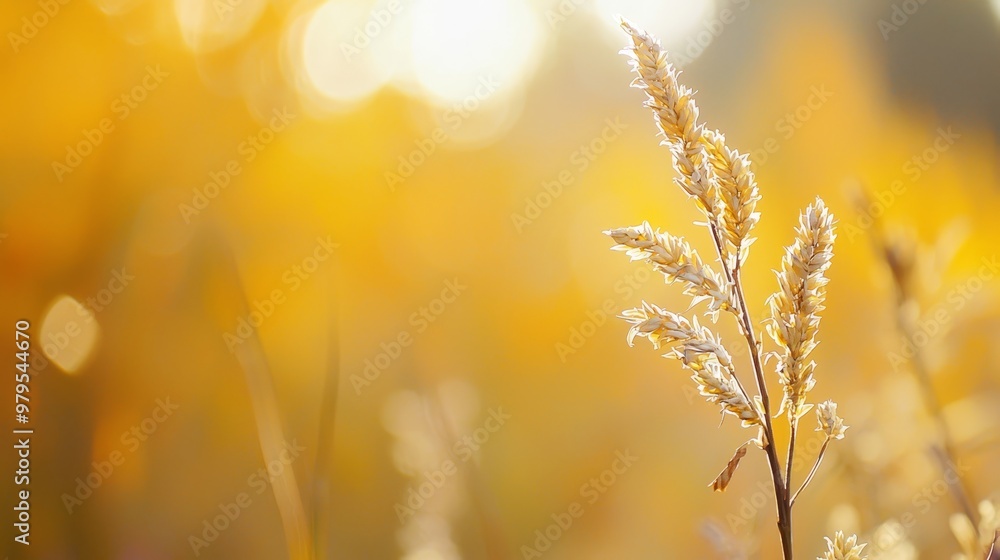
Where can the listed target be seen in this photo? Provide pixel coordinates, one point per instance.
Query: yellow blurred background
(339, 265)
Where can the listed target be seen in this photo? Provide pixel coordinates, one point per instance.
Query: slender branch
(812, 472)
(780, 492)
(321, 498)
(958, 488)
(794, 422)
(717, 239)
(782, 503)
(493, 534)
(267, 416)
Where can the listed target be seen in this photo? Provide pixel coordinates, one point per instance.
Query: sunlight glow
(457, 45)
(209, 25)
(70, 332)
(351, 50)
(673, 21)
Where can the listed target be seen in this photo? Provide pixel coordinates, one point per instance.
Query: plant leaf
(722, 481)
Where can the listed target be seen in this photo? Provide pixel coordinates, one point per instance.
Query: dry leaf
(722, 481)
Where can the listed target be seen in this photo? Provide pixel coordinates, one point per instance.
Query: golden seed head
(795, 308)
(675, 113)
(677, 261)
(737, 191)
(694, 343)
(719, 387)
(716, 176)
(699, 350)
(843, 548)
(829, 423)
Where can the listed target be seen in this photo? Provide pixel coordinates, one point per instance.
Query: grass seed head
(843, 548)
(678, 262)
(796, 306)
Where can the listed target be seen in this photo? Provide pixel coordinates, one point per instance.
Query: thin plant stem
(920, 371)
(782, 503)
(717, 239)
(959, 489)
(260, 385)
(812, 472)
(321, 506)
(493, 535)
(794, 423)
(780, 493)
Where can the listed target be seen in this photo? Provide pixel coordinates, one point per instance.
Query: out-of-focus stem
(919, 364)
(920, 371)
(321, 490)
(493, 537)
(260, 385)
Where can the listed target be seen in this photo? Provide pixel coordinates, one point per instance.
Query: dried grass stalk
(675, 113)
(673, 257)
(737, 190)
(795, 308)
(721, 182)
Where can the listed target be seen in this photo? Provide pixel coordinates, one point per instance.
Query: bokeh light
(458, 46)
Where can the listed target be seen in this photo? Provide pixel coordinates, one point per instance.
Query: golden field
(328, 280)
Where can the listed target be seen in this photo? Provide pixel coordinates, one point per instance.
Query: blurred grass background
(531, 277)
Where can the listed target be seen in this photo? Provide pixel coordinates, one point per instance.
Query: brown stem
(920, 371)
(794, 423)
(780, 491)
(717, 239)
